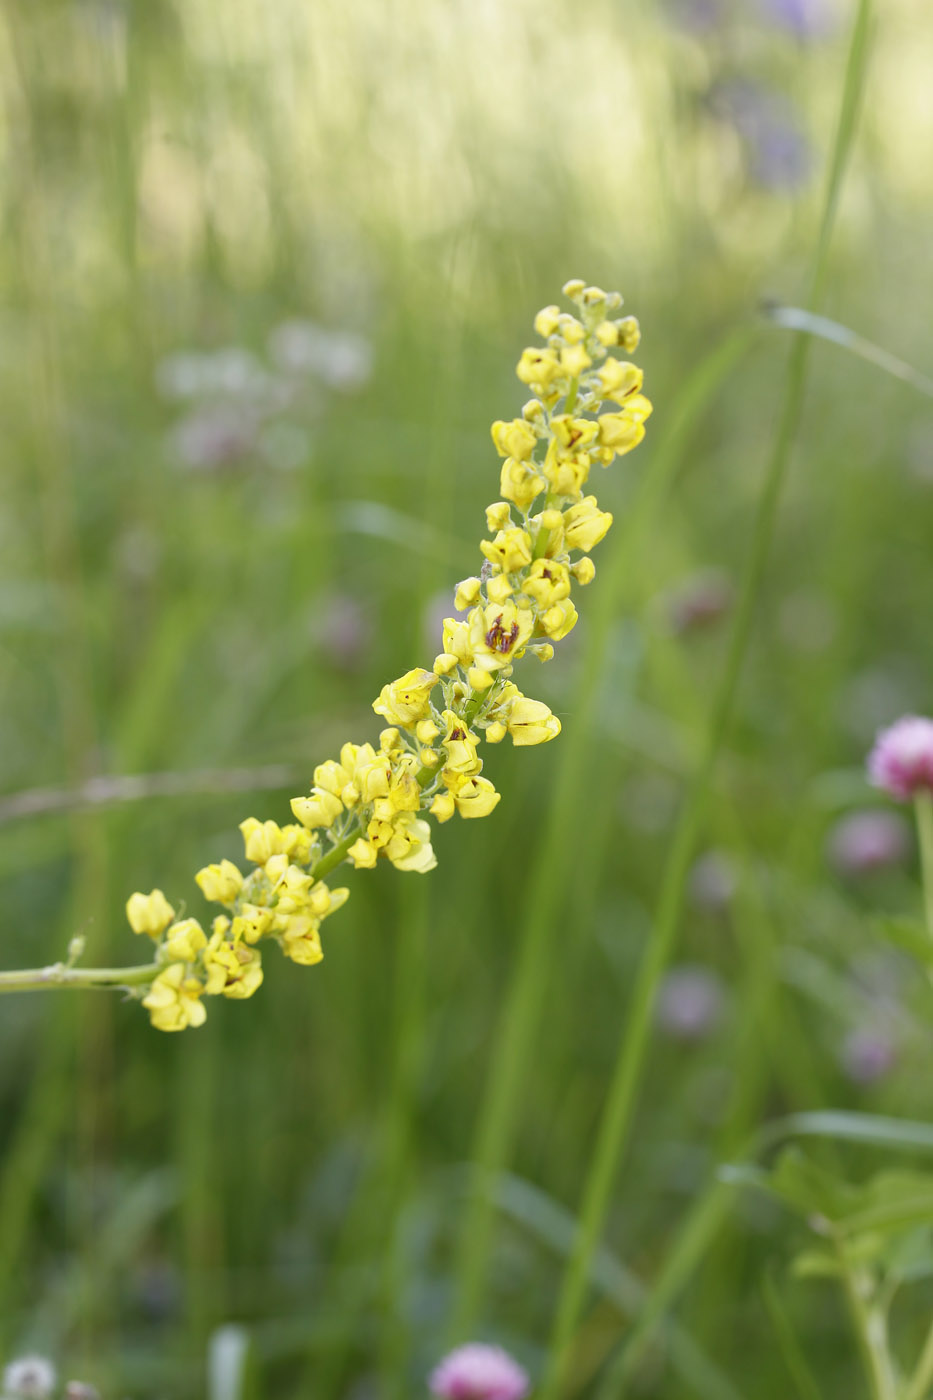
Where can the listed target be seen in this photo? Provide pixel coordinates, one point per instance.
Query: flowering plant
(372, 802)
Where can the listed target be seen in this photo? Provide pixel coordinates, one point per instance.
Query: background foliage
(212, 565)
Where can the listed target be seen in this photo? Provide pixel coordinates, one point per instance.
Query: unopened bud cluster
(372, 803)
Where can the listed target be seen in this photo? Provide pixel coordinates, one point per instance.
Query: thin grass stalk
(615, 1126)
(499, 1112)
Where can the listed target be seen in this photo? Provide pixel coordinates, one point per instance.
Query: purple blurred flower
(216, 436)
(479, 1372)
(869, 840)
(867, 1055)
(778, 153)
(690, 1002)
(700, 600)
(807, 19)
(902, 760)
(342, 630)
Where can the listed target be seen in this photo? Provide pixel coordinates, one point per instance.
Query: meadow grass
(390, 1150)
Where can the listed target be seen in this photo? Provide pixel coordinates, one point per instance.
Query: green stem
(61, 975)
(871, 1332)
(335, 856)
(923, 804)
(922, 1378)
(615, 1127)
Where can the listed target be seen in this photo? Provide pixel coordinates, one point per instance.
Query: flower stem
(89, 978)
(923, 804)
(920, 1382)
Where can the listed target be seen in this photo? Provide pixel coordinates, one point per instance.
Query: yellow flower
(320, 809)
(404, 793)
(220, 883)
(406, 700)
(301, 941)
(185, 940)
(475, 798)
(252, 922)
(498, 515)
(584, 571)
(531, 722)
(468, 590)
(509, 551)
(332, 777)
(618, 379)
(265, 839)
(498, 634)
(566, 472)
(460, 744)
(362, 854)
(406, 840)
(499, 588)
(539, 368)
(291, 890)
(585, 525)
(443, 806)
(547, 320)
(620, 431)
(574, 360)
(572, 434)
(515, 439)
(174, 1000)
(149, 913)
(456, 641)
(520, 482)
(547, 582)
(559, 619)
(231, 969)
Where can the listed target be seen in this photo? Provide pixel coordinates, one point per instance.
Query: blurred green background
(265, 271)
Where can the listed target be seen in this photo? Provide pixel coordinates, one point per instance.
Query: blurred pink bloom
(867, 1055)
(902, 760)
(690, 1002)
(870, 840)
(479, 1372)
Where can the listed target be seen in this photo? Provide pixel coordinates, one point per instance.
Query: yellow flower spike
(510, 550)
(498, 634)
(443, 807)
(498, 515)
(220, 883)
(362, 854)
(559, 620)
(499, 588)
(584, 571)
(495, 732)
(585, 525)
(185, 940)
(547, 320)
(406, 700)
(320, 809)
(618, 379)
(520, 482)
(174, 1000)
(574, 360)
(515, 439)
(620, 432)
(468, 590)
(426, 731)
(531, 722)
(547, 582)
(149, 913)
(476, 798)
(251, 923)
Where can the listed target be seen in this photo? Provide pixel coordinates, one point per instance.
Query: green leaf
(910, 935)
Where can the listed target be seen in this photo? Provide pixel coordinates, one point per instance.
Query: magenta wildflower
(479, 1372)
(902, 760)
